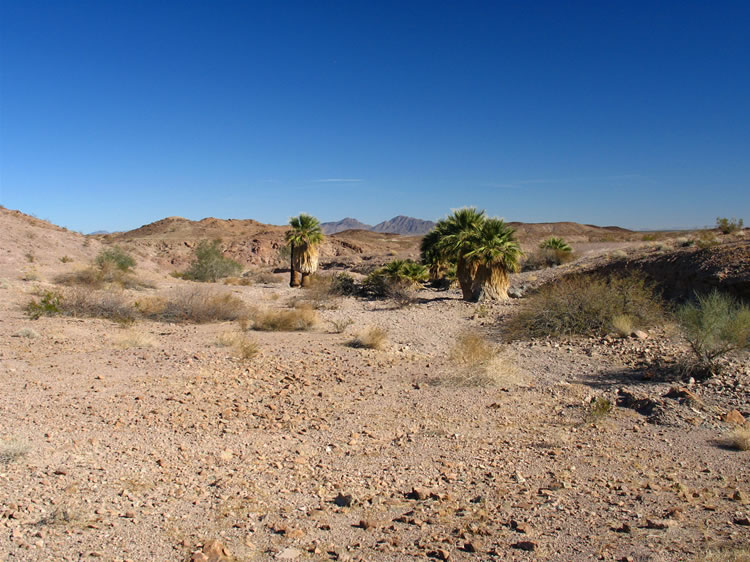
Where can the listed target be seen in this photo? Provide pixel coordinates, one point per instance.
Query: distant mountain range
(408, 226)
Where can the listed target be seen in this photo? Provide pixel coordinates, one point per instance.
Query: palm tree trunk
(294, 276)
(465, 273)
(490, 283)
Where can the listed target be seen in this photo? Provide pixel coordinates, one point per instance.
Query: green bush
(49, 304)
(728, 226)
(714, 325)
(210, 264)
(394, 278)
(115, 257)
(585, 305)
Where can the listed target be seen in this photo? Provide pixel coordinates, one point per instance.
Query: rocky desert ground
(154, 440)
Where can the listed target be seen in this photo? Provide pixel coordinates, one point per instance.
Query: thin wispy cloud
(519, 184)
(339, 180)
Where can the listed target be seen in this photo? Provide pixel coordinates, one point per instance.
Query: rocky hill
(407, 226)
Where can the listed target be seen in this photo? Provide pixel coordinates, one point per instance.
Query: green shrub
(49, 304)
(210, 264)
(394, 278)
(546, 257)
(728, 226)
(585, 305)
(115, 257)
(714, 325)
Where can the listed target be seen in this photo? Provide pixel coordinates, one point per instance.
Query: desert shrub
(371, 337)
(242, 281)
(706, 239)
(343, 284)
(112, 305)
(30, 275)
(341, 324)
(739, 438)
(115, 257)
(295, 320)
(726, 553)
(4, 284)
(30, 333)
(66, 259)
(13, 449)
(99, 277)
(194, 304)
(396, 280)
(210, 264)
(133, 338)
(622, 324)
(246, 348)
(585, 304)
(29, 257)
(546, 257)
(714, 325)
(728, 226)
(598, 409)
(49, 304)
(475, 362)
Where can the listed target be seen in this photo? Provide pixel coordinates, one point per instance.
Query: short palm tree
(431, 256)
(494, 253)
(554, 243)
(303, 241)
(454, 243)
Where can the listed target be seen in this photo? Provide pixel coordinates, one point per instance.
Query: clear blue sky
(114, 114)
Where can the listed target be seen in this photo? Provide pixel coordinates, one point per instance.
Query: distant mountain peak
(397, 225)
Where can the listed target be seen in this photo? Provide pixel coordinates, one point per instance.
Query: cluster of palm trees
(483, 250)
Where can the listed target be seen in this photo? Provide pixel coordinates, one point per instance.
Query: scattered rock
(734, 417)
(342, 500)
(524, 545)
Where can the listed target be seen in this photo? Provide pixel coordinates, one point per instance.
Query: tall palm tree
(303, 241)
(495, 253)
(456, 233)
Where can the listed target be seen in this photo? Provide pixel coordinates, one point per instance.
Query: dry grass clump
(242, 281)
(112, 305)
(263, 277)
(622, 324)
(13, 449)
(30, 333)
(728, 553)
(371, 337)
(546, 257)
(585, 304)
(340, 325)
(739, 438)
(598, 409)
(476, 363)
(195, 304)
(295, 320)
(133, 338)
(100, 277)
(244, 347)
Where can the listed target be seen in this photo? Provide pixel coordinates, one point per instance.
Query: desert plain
(175, 440)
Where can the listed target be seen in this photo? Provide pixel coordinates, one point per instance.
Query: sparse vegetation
(294, 320)
(585, 304)
(727, 553)
(115, 257)
(397, 280)
(477, 363)
(715, 325)
(622, 324)
(194, 304)
(371, 337)
(30, 333)
(210, 264)
(29, 257)
(546, 257)
(739, 438)
(555, 243)
(13, 449)
(706, 239)
(728, 226)
(66, 259)
(49, 304)
(341, 324)
(598, 409)
(133, 338)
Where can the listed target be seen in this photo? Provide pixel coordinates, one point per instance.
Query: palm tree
(555, 243)
(455, 236)
(303, 241)
(432, 258)
(495, 253)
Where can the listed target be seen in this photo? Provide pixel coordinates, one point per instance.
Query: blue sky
(115, 114)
